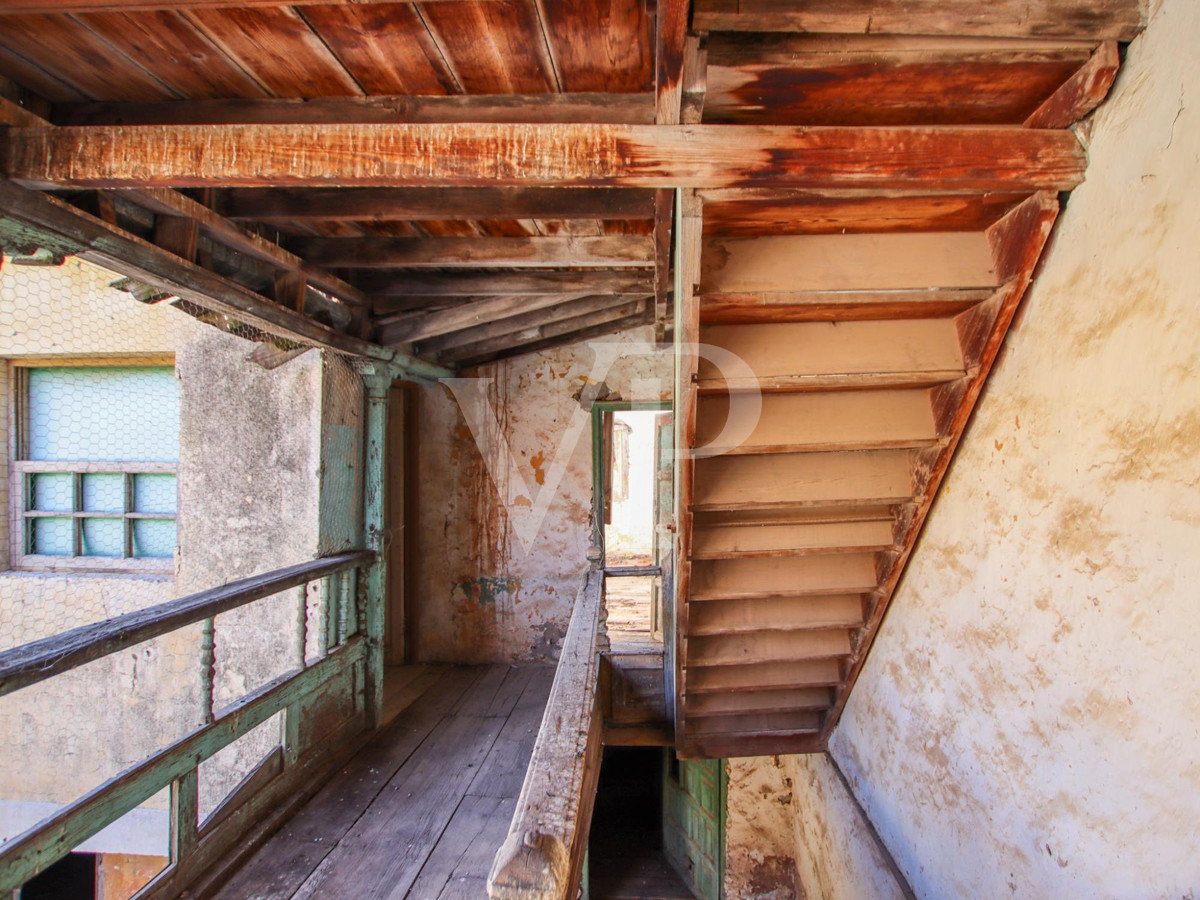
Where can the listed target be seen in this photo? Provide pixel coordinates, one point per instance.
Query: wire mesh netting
(156, 449)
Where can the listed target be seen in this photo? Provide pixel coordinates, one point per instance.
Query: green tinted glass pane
(104, 493)
(154, 538)
(51, 537)
(103, 537)
(104, 414)
(155, 494)
(54, 492)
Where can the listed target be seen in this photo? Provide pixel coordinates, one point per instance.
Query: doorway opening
(626, 858)
(633, 445)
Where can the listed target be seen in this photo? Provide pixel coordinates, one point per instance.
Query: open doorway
(633, 499)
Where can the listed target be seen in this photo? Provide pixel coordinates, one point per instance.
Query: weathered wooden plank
(615, 109)
(608, 251)
(544, 851)
(568, 309)
(1082, 19)
(728, 541)
(32, 852)
(419, 326)
(634, 282)
(755, 648)
(776, 614)
(722, 580)
(836, 306)
(425, 204)
(1086, 90)
(221, 230)
(47, 221)
(771, 676)
(644, 316)
(283, 863)
(39, 660)
(568, 328)
(709, 156)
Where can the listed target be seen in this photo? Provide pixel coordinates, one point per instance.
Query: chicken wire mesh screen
(154, 450)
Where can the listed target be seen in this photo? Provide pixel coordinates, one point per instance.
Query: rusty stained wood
(457, 284)
(1085, 90)
(631, 109)
(542, 857)
(608, 251)
(434, 204)
(702, 156)
(1084, 19)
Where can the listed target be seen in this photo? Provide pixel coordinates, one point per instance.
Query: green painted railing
(342, 645)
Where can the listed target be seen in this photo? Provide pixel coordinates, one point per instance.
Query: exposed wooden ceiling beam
(33, 218)
(572, 331)
(705, 156)
(22, 7)
(1091, 19)
(611, 251)
(383, 285)
(433, 204)
(559, 312)
(631, 109)
(1085, 90)
(420, 326)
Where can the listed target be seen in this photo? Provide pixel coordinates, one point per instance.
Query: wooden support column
(377, 380)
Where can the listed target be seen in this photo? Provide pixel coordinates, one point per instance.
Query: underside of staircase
(844, 337)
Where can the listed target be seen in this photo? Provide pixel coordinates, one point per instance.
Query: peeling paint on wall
(482, 597)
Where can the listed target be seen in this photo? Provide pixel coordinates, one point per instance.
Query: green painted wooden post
(377, 384)
(185, 804)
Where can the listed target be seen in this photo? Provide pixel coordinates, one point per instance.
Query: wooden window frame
(22, 471)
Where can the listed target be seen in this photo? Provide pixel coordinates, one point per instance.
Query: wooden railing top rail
(39, 660)
(542, 856)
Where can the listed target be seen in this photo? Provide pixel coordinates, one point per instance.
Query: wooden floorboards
(422, 809)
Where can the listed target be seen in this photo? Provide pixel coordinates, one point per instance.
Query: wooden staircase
(866, 325)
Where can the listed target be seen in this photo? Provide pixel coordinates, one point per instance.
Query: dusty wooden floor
(422, 809)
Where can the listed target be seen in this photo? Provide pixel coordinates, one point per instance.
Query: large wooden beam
(1083, 19)
(577, 335)
(631, 109)
(8, 7)
(384, 284)
(419, 326)
(434, 204)
(30, 218)
(610, 251)
(704, 156)
(542, 856)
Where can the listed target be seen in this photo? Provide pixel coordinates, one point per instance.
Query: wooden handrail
(39, 660)
(542, 857)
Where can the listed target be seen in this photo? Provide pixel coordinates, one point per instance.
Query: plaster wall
(484, 595)
(1027, 722)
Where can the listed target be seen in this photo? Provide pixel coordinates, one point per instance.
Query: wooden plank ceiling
(864, 190)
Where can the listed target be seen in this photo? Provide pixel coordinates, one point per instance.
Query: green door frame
(599, 476)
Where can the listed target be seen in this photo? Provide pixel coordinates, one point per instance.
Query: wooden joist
(33, 218)
(8, 7)
(431, 205)
(608, 251)
(616, 109)
(1078, 19)
(1086, 90)
(642, 314)
(382, 284)
(419, 326)
(708, 156)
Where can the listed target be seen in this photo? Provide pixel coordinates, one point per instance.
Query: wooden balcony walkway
(422, 809)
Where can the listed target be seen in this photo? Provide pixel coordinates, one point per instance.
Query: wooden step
(848, 262)
(836, 306)
(839, 420)
(758, 701)
(870, 478)
(768, 676)
(785, 515)
(775, 614)
(792, 722)
(724, 746)
(835, 355)
(727, 579)
(752, 648)
(750, 540)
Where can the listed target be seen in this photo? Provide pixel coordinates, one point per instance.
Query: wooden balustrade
(542, 857)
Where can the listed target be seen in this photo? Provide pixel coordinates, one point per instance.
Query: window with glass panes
(95, 454)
